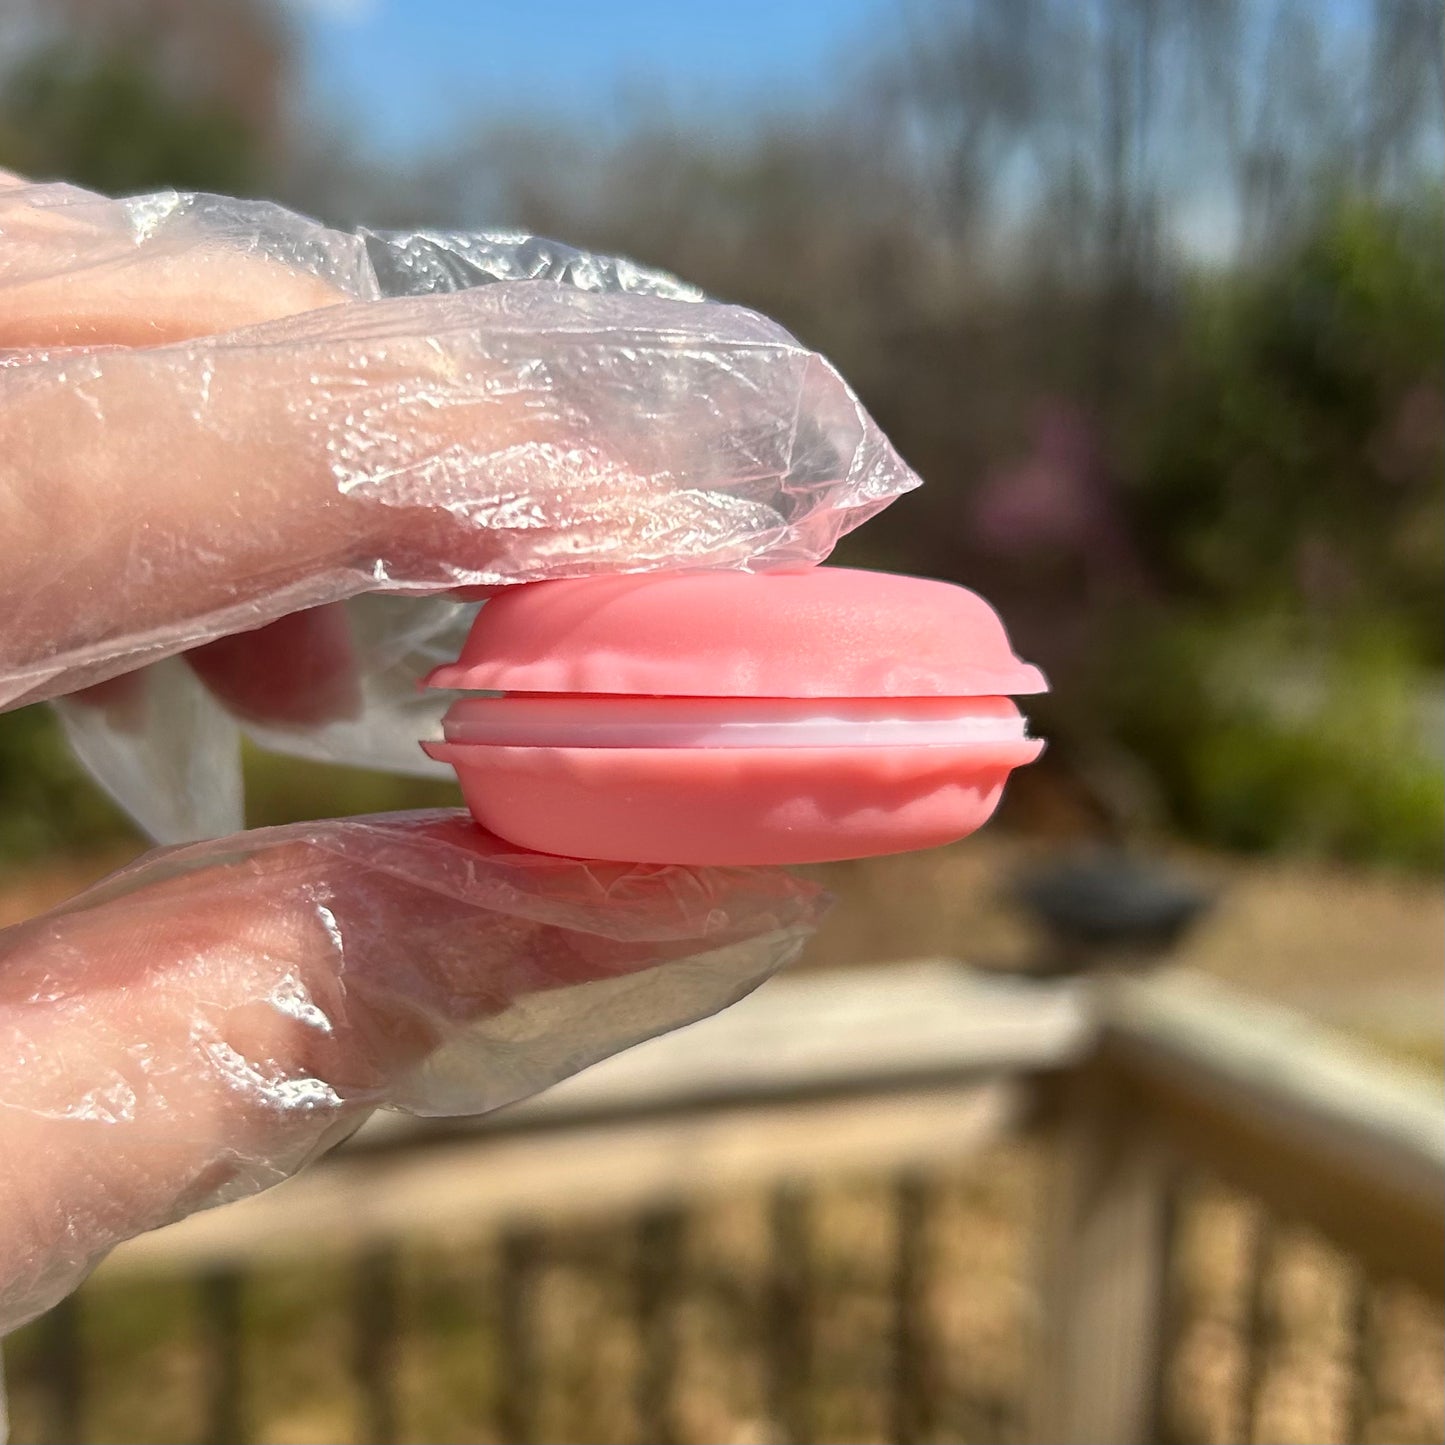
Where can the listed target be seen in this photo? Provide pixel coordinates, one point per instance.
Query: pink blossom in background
(1058, 503)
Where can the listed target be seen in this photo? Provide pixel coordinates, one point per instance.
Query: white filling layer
(650, 722)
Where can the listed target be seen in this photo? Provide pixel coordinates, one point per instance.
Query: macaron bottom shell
(733, 806)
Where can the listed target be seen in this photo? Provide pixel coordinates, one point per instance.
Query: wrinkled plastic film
(454, 410)
(198, 263)
(216, 1015)
(507, 434)
(421, 263)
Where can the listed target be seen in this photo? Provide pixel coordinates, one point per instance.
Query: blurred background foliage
(1151, 292)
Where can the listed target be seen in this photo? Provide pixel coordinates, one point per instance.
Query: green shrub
(48, 804)
(1261, 742)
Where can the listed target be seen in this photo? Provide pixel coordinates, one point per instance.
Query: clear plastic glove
(201, 1025)
(240, 486)
(599, 417)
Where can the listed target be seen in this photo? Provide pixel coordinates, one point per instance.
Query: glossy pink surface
(731, 805)
(823, 632)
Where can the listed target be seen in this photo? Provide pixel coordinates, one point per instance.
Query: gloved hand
(214, 431)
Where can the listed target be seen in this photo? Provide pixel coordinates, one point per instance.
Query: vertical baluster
(1360, 1377)
(912, 1373)
(1163, 1409)
(62, 1373)
(374, 1312)
(660, 1238)
(1257, 1327)
(519, 1381)
(223, 1329)
(790, 1314)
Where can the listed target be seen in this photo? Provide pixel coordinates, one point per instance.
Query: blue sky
(406, 72)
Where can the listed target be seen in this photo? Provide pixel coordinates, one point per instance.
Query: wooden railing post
(1096, 1376)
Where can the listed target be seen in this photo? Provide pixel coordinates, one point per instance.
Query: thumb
(199, 1026)
(175, 473)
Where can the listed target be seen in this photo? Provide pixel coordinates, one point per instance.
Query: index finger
(80, 269)
(153, 499)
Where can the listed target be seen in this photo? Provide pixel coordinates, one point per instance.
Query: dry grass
(569, 1345)
(575, 1332)
(1241, 1277)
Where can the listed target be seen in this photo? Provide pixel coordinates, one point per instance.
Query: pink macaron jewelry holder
(735, 718)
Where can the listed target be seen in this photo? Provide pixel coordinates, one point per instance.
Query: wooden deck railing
(1136, 1086)
(1188, 1075)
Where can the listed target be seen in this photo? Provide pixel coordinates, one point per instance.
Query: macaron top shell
(819, 632)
